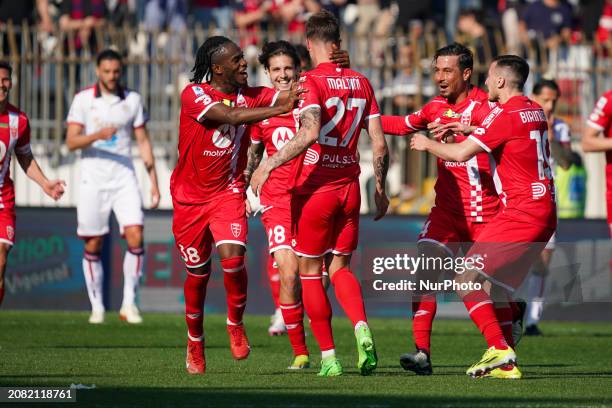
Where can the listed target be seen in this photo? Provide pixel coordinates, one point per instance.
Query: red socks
(504, 317)
(274, 279)
(318, 309)
(293, 315)
(348, 293)
(423, 312)
(235, 281)
(481, 311)
(195, 293)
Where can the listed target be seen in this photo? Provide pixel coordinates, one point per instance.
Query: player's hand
(382, 204)
(444, 131)
(419, 142)
(106, 133)
(249, 210)
(288, 99)
(54, 188)
(258, 179)
(340, 57)
(155, 197)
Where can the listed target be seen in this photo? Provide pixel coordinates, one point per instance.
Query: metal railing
(49, 70)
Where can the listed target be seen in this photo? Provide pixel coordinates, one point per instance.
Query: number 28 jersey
(346, 100)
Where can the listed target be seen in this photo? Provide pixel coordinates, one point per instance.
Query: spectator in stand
(165, 15)
(452, 13)
(334, 6)
(406, 83)
(550, 20)
(19, 11)
(122, 12)
(294, 13)
(249, 16)
(83, 17)
(480, 39)
(604, 28)
(510, 11)
(218, 12)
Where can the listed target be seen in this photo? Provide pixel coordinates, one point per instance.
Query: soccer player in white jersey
(15, 137)
(101, 122)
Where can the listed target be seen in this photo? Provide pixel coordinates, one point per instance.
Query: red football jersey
(516, 134)
(14, 135)
(601, 119)
(274, 133)
(347, 101)
(470, 181)
(212, 156)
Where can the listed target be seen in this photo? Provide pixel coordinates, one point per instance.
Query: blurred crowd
(554, 21)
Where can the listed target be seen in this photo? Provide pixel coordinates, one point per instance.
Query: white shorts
(95, 205)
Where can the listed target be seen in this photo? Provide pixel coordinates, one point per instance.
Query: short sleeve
(141, 118)
(23, 141)
(482, 112)
(493, 131)
(419, 119)
(312, 98)
(373, 109)
(76, 114)
(195, 102)
(256, 134)
(601, 116)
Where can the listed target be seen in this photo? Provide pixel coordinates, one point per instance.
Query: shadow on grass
(230, 397)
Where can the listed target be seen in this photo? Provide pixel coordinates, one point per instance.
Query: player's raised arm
(381, 165)
(395, 125)
(599, 120)
(146, 152)
(285, 102)
(310, 125)
(75, 139)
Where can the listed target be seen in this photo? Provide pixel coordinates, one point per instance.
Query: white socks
(132, 271)
(92, 269)
(535, 304)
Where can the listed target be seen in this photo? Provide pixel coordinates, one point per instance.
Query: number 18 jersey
(346, 100)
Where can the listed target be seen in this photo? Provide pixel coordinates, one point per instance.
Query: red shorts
(609, 207)
(449, 230)
(7, 226)
(508, 246)
(196, 227)
(326, 222)
(277, 222)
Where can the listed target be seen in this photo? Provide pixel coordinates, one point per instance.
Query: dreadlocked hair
(202, 70)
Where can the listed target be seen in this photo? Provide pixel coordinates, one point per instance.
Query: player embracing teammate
(515, 133)
(466, 198)
(208, 184)
(325, 197)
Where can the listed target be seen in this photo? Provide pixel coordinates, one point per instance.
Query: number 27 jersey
(346, 100)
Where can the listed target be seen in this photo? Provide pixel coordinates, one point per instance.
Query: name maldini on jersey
(343, 83)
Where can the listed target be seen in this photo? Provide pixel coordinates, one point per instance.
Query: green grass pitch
(144, 365)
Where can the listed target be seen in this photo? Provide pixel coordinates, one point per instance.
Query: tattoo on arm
(255, 155)
(381, 167)
(310, 124)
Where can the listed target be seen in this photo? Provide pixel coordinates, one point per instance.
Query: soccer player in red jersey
(597, 137)
(207, 185)
(282, 65)
(466, 198)
(515, 133)
(325, 197)
(15, 137)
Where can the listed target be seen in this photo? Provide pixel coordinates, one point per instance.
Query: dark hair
(108, 55)
(323, 26)
(7, 66)
(202, 69)
(546, 83)
(466, 58)
(472, 12)
(517, 65)
(304, 55)
(273, 49)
